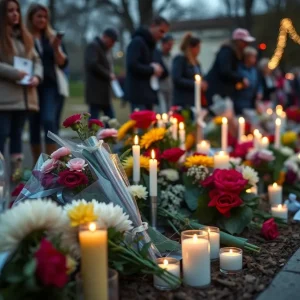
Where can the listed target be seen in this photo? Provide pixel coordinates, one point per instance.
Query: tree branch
(164, 6)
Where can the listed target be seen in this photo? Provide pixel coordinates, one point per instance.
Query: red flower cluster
(269, 230)
(293, 113)
(172, 155)
(18, 189)
(157, 153)
(241, 150)
(72, 179)
(95, 123)
(225, 188)
(69, 122)
(143, 118)
(51, 265)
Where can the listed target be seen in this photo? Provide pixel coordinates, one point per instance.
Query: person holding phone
(54, 87)
(16, 99)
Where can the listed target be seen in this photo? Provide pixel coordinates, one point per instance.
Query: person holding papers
(20, 74)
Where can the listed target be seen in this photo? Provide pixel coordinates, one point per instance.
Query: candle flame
(181, 126)
(250, 137)
(265, 140)
(279, 107)
(269, 111)
(275, 184)
(248, 191)
(283, 114)
(136, 140)
(224, 120)
(165, 117)
(92, 227)
(153, 154)
(222, 153)
(256, 132)
(166, 262)
(244, 138)
(280, 206)
(197, 77)
(195, 238)
(158, 117)
(278, 122)
(174, 120)
(241, 120)
(203, 143)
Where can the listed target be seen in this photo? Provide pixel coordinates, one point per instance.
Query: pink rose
(76, 164)
(49, 165)
(107, 133)
(63, 151)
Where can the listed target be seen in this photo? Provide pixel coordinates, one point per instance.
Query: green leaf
(239, 218)
(144, 250)
(204, 213)
(29, 268)
(125, 154)
(250, 199)
(191, 194)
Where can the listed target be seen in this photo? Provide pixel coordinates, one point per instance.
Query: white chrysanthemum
(138, 191)
(287, 151)
(249, 174)
(170, 174)
(236, 161)
(290, 164)
(27, 217)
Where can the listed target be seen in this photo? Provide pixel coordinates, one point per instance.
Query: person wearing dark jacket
(98, 74)
(185, 67)
(144, 66)
(223, 77)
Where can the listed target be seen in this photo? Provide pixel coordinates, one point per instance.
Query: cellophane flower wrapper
(111, 184)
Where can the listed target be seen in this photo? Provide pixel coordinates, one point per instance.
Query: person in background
(185, 67)
(98, 74)
(144, 67)
(245, 97)
(223, 76)
(54, 86)
(16, 99)
(165, 91)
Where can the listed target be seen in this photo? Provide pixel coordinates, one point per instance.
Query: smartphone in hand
(60, 34)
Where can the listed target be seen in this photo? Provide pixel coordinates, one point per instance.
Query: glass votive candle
(280, 211)
(196, 258)
(214, 241)
(231, 260)
(113, 284)
(172, 265)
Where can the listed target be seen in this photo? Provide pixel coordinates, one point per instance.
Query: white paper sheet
(25, 65)
(154, 83)
(115, 85)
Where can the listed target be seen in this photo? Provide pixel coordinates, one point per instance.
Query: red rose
(72, 179)
(269, 230)
(157, 153)
(271, 139)
(95, 123)
(229, 181)
(208, 182)
(143, 118)
(69, 122)
(241, 150)
(51, 267)
(179, 117)
(224, 201)
(172, 155)
(18, 189)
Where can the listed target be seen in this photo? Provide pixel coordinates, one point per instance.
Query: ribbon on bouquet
(91, 149)
(293, 206)
(43, 194)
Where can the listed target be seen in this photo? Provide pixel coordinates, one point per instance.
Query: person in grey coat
(98, 74)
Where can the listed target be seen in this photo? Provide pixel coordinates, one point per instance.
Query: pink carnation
(107, 133)
(63, 151)
(76, 164)
(49, 165)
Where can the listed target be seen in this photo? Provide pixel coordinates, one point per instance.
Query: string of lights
(286, 28)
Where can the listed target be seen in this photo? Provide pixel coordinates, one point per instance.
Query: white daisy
(249, 174)
(170, 174)
(138, 191)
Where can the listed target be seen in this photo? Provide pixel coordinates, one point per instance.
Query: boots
(50, 148)
(36, 150)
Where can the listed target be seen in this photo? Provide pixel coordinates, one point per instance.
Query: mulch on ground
(258, 272)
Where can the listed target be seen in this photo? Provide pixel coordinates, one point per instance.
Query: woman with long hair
(185, 67)
(16, 98)
(54, 86)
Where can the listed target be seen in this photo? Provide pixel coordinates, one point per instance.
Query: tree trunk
(145, 11)
(248, 19)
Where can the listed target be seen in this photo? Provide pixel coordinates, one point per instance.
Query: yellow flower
(128, 164)
(247, 163)
(289, 138)
(218, 120)
(71, 265)
(189, 141)
(125, 128)
(152, 136)
(199, 160)
(281, 178)
(82, 214)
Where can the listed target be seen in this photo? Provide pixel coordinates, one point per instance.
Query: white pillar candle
(257, 137)
(203, 147)
(196, 258)
(181, 134)
(231, 260)
(277, 133)
(283, 121)
(279, 110)
(275, 194)
(241, 129)
(170, 264)
(280, 211)
(221, 160)
(214, 241)
(165, 118)
(197, 95)
(224, 134)
(263, 143)
(174, 129)
(153, 175)
(136, 150)
(160, 122)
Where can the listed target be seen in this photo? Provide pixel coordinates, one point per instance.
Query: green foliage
(205, 214)
(192, 192)
(277, 164)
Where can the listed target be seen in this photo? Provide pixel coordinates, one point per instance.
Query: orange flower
(189, 141)
(281, 178)
(248, 163)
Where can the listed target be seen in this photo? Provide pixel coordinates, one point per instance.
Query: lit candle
(221, 160)
(160, 122)
(241, 129)
(203, 147)
(165, 118)
(174, 129)
(170, 264)
(252, 190)
(224, 134)
(244, 139)
(270, 111)
(264, 143)
(250, 137)
(153, 174)
(231, 260)
(136, 149)
(275, 194)
(93, 245)
(195, 258)
(280, 211)
(277, 133)
(197, 95)
(279, 110)
(214, 240)
(257, 136)
(181, 134)
(283, 121)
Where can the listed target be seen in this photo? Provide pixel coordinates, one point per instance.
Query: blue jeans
(95, 110)
(12, 126)
(46, 118)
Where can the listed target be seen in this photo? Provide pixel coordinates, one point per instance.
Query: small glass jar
(172, 265)
(231, 260)
(214, 241)
(196, 258)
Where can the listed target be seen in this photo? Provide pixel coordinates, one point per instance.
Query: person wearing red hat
(223, 77)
